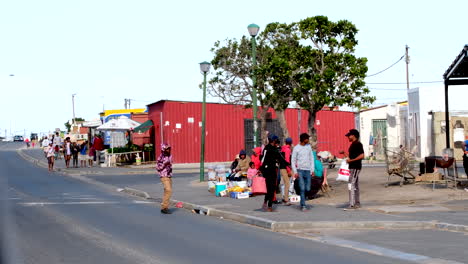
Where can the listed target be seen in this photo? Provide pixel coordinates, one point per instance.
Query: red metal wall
(181, 127)
(140, 139)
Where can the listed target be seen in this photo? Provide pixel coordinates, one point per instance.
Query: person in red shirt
(285, 169)
(98, 146)
(256, 157)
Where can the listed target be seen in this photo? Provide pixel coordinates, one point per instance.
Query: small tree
(330, 75)
(68, 124)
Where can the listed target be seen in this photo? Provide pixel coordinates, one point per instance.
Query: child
(251, 172)
(75, 150)
(91, 154)
(83, 157)
(164, 168)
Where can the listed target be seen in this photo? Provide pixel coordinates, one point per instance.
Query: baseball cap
(353, 132)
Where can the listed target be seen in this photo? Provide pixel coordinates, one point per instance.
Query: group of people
(275, 163)
(298, 165)
(85, 153)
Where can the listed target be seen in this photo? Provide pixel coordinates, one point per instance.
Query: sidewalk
(408, 207)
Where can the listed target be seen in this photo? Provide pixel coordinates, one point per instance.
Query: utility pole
(129, 102)
(407, 59)
(73, 105)
(125, 103)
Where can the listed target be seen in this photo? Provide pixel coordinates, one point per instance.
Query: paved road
(51, 218)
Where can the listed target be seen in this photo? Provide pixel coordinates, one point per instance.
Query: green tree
(68, 124)
(330, 73)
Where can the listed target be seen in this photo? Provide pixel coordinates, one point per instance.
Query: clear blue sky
(147, 50)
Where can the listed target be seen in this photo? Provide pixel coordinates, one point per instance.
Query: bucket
(219, 187)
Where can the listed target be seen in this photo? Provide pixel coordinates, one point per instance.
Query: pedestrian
(75, 150)
(302, 163)
(465, 156)
(83, 156)
(99, 147)
(91, 155)
(51, 156)
(57, 140)
(164, 168)
(45, 146)
(354, 158)
(285, 169)
(67, 152)
(270, 159)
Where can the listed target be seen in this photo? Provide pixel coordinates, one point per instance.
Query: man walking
(354, 159)
(302, 163)
(99, 147)
(270, 157)
(164, 167)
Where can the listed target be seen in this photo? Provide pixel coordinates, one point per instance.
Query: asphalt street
(51, 218)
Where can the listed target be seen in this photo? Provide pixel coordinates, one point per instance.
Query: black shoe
(276, 202)
(165, 211)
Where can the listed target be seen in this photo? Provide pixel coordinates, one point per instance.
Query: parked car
(18, 138)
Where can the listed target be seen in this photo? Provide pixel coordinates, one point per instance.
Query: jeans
(353, 187)
(304, 184)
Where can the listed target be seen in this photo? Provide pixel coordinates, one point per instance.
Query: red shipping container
(179, 124)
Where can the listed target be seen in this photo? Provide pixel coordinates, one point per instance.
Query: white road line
(376, 250)
(67, 203)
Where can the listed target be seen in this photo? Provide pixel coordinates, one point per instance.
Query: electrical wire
(387, 67)
(410, 82)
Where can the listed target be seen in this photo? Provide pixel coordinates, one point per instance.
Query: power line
(387, 89)
(410, 82)
(386, 68)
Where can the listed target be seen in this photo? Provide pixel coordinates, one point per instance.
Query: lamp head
(205, 67)
(253, 29)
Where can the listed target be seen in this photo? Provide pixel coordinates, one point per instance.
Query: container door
(379, 131)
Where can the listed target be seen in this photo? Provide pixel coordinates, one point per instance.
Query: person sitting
(232, 171)
(242, 166)
(251, 172)
(256, 157)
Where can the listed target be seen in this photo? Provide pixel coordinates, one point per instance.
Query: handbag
(258, 185)
(343, 173)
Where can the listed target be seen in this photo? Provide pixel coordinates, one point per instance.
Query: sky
(107, 50)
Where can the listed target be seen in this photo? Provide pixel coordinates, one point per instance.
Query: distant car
(18, 138)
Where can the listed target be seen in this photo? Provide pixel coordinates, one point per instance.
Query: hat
(242, 152)
(288, 141)
(353, 132)
(165, 146)
(272, 138)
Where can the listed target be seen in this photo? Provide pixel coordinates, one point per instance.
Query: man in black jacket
(271, 158)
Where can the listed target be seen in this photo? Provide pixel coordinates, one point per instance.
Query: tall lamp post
(204, 68)
(73, 105)
(253, 31)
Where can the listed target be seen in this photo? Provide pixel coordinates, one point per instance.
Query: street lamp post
(204, 68)
(253, 31)
(73, 105)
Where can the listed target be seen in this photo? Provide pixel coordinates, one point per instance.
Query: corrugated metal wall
(225, 129)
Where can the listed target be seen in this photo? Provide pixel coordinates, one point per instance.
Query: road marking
(375, 250)
(82, 202)
(67, 203)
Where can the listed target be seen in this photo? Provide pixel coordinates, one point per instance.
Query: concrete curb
(276, 226)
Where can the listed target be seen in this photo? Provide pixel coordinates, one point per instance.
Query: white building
(422, 103)
(382, 125)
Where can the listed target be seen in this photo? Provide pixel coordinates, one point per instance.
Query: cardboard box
(429, 177)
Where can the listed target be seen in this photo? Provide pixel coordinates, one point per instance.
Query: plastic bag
(258, 185)
(343, 173)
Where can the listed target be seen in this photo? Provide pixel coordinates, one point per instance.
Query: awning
(144, 127)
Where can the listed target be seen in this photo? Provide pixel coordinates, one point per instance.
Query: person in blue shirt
(465, 156)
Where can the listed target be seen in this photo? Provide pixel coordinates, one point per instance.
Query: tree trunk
(263, 129)
(282, 120)
(312, 130)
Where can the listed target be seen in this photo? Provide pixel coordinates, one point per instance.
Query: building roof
(458, 68)
(197, 102)
(382, 106)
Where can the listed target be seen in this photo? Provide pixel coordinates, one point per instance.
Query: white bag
(292, 191)
(343, 173)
